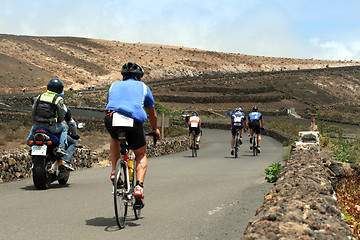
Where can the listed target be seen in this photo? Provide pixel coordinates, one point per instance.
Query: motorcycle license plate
(39, 150)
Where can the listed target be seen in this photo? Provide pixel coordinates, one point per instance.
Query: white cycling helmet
(238, 109)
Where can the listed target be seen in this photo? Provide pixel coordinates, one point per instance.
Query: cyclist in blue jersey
(255, 123)
(125, 102)
(237, 122)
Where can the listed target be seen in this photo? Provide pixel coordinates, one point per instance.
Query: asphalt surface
(209, 197)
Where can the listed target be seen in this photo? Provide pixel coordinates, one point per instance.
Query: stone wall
(278, 135)
(302, 204)
(16, 164)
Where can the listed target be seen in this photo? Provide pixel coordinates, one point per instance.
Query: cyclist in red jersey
(195, 124)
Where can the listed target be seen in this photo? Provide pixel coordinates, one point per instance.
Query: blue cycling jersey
(237, 119)
(128, 98)
(255, 116)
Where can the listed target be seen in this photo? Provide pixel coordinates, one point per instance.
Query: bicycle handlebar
(154, 137)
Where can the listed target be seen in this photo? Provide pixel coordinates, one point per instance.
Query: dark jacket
(48, 108)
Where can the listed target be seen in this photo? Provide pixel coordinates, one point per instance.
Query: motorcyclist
(48, 112)
(73, 136)
(237, 122)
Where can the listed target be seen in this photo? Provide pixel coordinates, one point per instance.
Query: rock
(337, 169)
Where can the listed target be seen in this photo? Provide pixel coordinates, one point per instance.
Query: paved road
(209, 197)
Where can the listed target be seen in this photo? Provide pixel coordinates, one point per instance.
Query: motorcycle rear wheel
(64, 179)
(41, 177)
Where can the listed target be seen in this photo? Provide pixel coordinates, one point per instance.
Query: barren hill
(185, 78)
(31, 61)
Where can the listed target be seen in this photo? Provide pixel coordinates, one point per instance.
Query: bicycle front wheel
(120, 196)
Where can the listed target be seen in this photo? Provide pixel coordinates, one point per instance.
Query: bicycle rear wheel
(193, 147)
(254, 146)
(120, 196)
(236, 146)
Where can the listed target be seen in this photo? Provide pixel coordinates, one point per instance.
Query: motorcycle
(47, 163)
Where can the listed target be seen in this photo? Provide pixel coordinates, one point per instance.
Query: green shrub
(272, 172)
(342, 150)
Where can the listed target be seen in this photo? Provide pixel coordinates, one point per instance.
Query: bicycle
(124, 182)
(254, 145)
(193, 144)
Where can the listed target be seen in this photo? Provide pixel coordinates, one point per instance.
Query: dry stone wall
(302, 204)
(16, 164)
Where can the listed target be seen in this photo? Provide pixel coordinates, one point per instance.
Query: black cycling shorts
(234, 128)
(195, 129)
(135, 135)
(255, 126)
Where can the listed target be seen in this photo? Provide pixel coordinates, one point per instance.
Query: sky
(318, 29)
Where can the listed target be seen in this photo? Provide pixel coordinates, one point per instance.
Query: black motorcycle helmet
(55, 85)
(194, 113)
(132, 70)
(254, 109)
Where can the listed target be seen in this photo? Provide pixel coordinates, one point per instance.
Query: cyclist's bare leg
(198, 138)
(141, 163)
(232, 141)
(259, 140)
(114, 152)
(251, 132)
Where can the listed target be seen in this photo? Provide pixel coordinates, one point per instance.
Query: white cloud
(336, 50)
(275, 28)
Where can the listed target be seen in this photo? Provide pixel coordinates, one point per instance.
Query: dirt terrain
(184, 78)
(30, 61)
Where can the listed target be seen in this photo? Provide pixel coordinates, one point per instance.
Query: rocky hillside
(30, 61)
(183, 78)
(332, 92)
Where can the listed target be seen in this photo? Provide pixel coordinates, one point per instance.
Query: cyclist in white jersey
(195, 124)
(237, 122)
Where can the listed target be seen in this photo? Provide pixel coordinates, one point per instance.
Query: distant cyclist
(195, 124)
(185, 117)
(237, 122)
(124, 110)
(255, 123)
